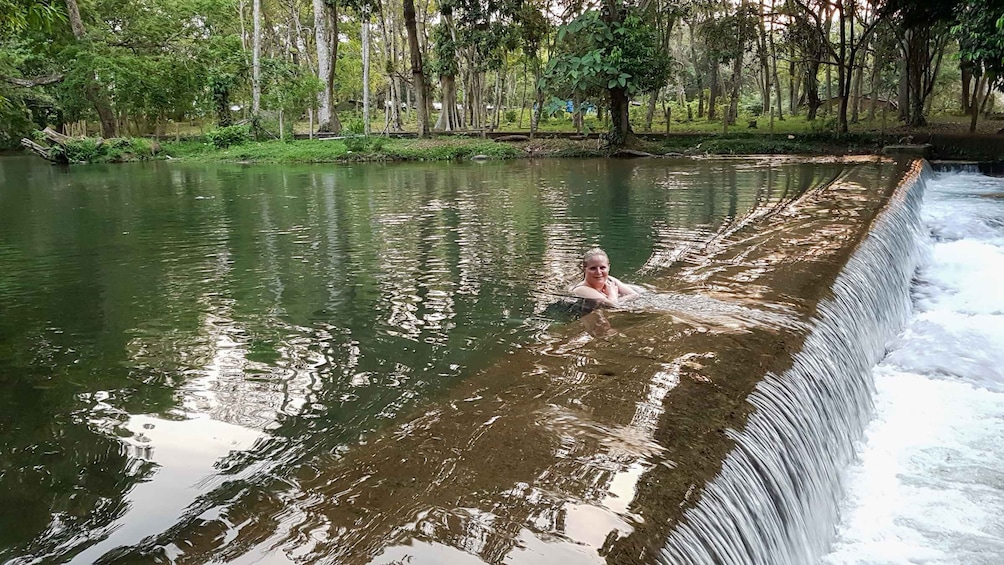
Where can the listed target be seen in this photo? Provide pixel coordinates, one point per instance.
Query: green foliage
(19, 15)
(355, 126)
(356, 144)
(96, 150)
(373, 148)
(365, 144)
(510, 116)
(981, 41)
(820, 125)
(596, 55)
(444, 52)
(224, 137)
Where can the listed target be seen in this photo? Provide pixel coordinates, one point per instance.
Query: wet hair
(594, 252)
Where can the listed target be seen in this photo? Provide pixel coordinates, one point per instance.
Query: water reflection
(311, 307)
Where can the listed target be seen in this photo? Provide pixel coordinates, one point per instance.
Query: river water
(928, 485)
(163, 325)
(374, 364)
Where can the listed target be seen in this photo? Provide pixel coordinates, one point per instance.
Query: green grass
(338, 150)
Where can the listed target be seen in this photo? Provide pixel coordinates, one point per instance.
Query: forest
(114, 68)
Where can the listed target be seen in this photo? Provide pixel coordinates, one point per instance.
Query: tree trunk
(873, 103)
(773, 58)
(812, 88)
(736, 83)
(620, 123)
(538, 108)
(858, 72)
(92, 89)
(793, 88)
(417, 73)
(326, 38)
(713, 94)
(844, 66)
(764, 61)
(449, 118)
(76, 24)
(975, 104)
(577, 113)
(256, 65)
(365, 39)
(650, 111)
(967, 80)
(903, 88)
(393, 116)
(697, 72)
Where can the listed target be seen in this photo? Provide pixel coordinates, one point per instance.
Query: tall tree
(417, 72)
(923, 29)
(979, 29)
(92, 89)
(326, 43)
(613, 51)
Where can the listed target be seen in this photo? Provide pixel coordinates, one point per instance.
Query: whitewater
(927, 484)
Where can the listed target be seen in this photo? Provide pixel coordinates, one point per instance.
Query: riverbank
(455, 147)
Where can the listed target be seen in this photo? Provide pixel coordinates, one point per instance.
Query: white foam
(928, 487)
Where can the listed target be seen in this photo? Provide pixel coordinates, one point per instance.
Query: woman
(597, 284)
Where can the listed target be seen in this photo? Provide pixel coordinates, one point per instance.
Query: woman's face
(597, 268)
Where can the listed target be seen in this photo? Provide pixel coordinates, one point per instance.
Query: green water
(167, 328)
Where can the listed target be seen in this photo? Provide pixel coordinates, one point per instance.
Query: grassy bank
(345, 150)
(446, 148)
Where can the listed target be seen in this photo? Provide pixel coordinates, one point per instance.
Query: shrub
(378, 143)
(356, 144)
(510, 116)
(355, 126)
(95, 150)
(224, 137)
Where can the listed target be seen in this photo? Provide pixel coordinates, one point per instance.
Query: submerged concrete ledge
(586, 448)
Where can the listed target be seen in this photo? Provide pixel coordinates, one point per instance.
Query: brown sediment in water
(591, 445)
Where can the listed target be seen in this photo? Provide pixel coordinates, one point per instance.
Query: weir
(776, 498)
(706, 424)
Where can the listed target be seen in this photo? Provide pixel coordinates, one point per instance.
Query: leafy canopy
(596, 55)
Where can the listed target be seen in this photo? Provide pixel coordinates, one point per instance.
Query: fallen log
(41, 150)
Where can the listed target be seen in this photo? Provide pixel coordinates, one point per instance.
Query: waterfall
(776, 498)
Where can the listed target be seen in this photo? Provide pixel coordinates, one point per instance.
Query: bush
(355, 126)
(510, 116)
(224, 137)
(356, 144)
(96, 150)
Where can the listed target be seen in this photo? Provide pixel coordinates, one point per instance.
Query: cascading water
(928, 483)
(776, 498)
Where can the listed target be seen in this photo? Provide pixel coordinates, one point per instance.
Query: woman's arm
(587, 292)
(623, 290)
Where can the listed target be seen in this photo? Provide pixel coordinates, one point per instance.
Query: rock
(629, 154)
(480, 158)
(923, 150)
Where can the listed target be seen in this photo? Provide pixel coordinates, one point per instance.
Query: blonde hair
(591, 254)
(594, 252)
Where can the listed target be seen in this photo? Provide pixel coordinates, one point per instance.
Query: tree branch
(30, 82)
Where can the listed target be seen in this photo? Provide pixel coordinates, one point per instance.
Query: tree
(94, 92)
(417, 72)
(922, 29)
(613, 51)
(326, 38)
(979, 29)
